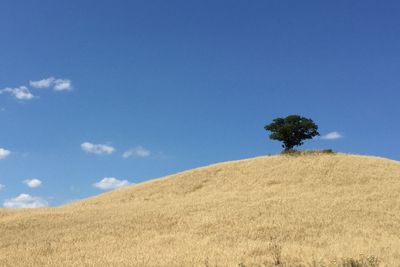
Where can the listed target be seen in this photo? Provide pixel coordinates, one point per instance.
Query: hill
(316, 207)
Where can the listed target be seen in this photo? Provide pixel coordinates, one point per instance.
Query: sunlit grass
(317, 209)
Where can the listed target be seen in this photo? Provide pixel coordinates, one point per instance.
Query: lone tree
(292, 130)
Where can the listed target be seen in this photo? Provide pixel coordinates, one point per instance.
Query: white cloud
(4, 153)
(2, 186)
(332, 136)
(25, 201)
(138, 151)
(109, 183)
(57, 84)
(45, 83)
(21, 93)
(97, 148)
(62, 85)
(33, 183)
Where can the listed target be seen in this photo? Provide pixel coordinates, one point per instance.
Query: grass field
(303, 210)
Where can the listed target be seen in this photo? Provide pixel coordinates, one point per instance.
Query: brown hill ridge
(303, 208)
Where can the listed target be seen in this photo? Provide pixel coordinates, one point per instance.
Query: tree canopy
(292, 130)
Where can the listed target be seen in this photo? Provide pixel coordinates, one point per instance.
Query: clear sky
(98, 94)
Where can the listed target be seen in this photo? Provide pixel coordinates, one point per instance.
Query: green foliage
(292, 130)
(307, 152)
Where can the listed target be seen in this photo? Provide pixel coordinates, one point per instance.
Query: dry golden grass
(313, 207)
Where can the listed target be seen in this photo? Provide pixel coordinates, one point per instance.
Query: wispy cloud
(62, 85)
(2, 186)
(45, 83)
(138, 151)
(109, 183)
(20, 93)
(57, 84)
(332, 136)
(23, 93)
(32, 183)
(4, 153)
(25, 201)
(97, 148)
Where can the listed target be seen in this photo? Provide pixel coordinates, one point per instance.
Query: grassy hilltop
(254, 212)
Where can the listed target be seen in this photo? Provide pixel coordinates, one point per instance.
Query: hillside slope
(312, 206)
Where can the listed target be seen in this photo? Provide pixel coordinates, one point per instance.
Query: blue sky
(98, 94)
